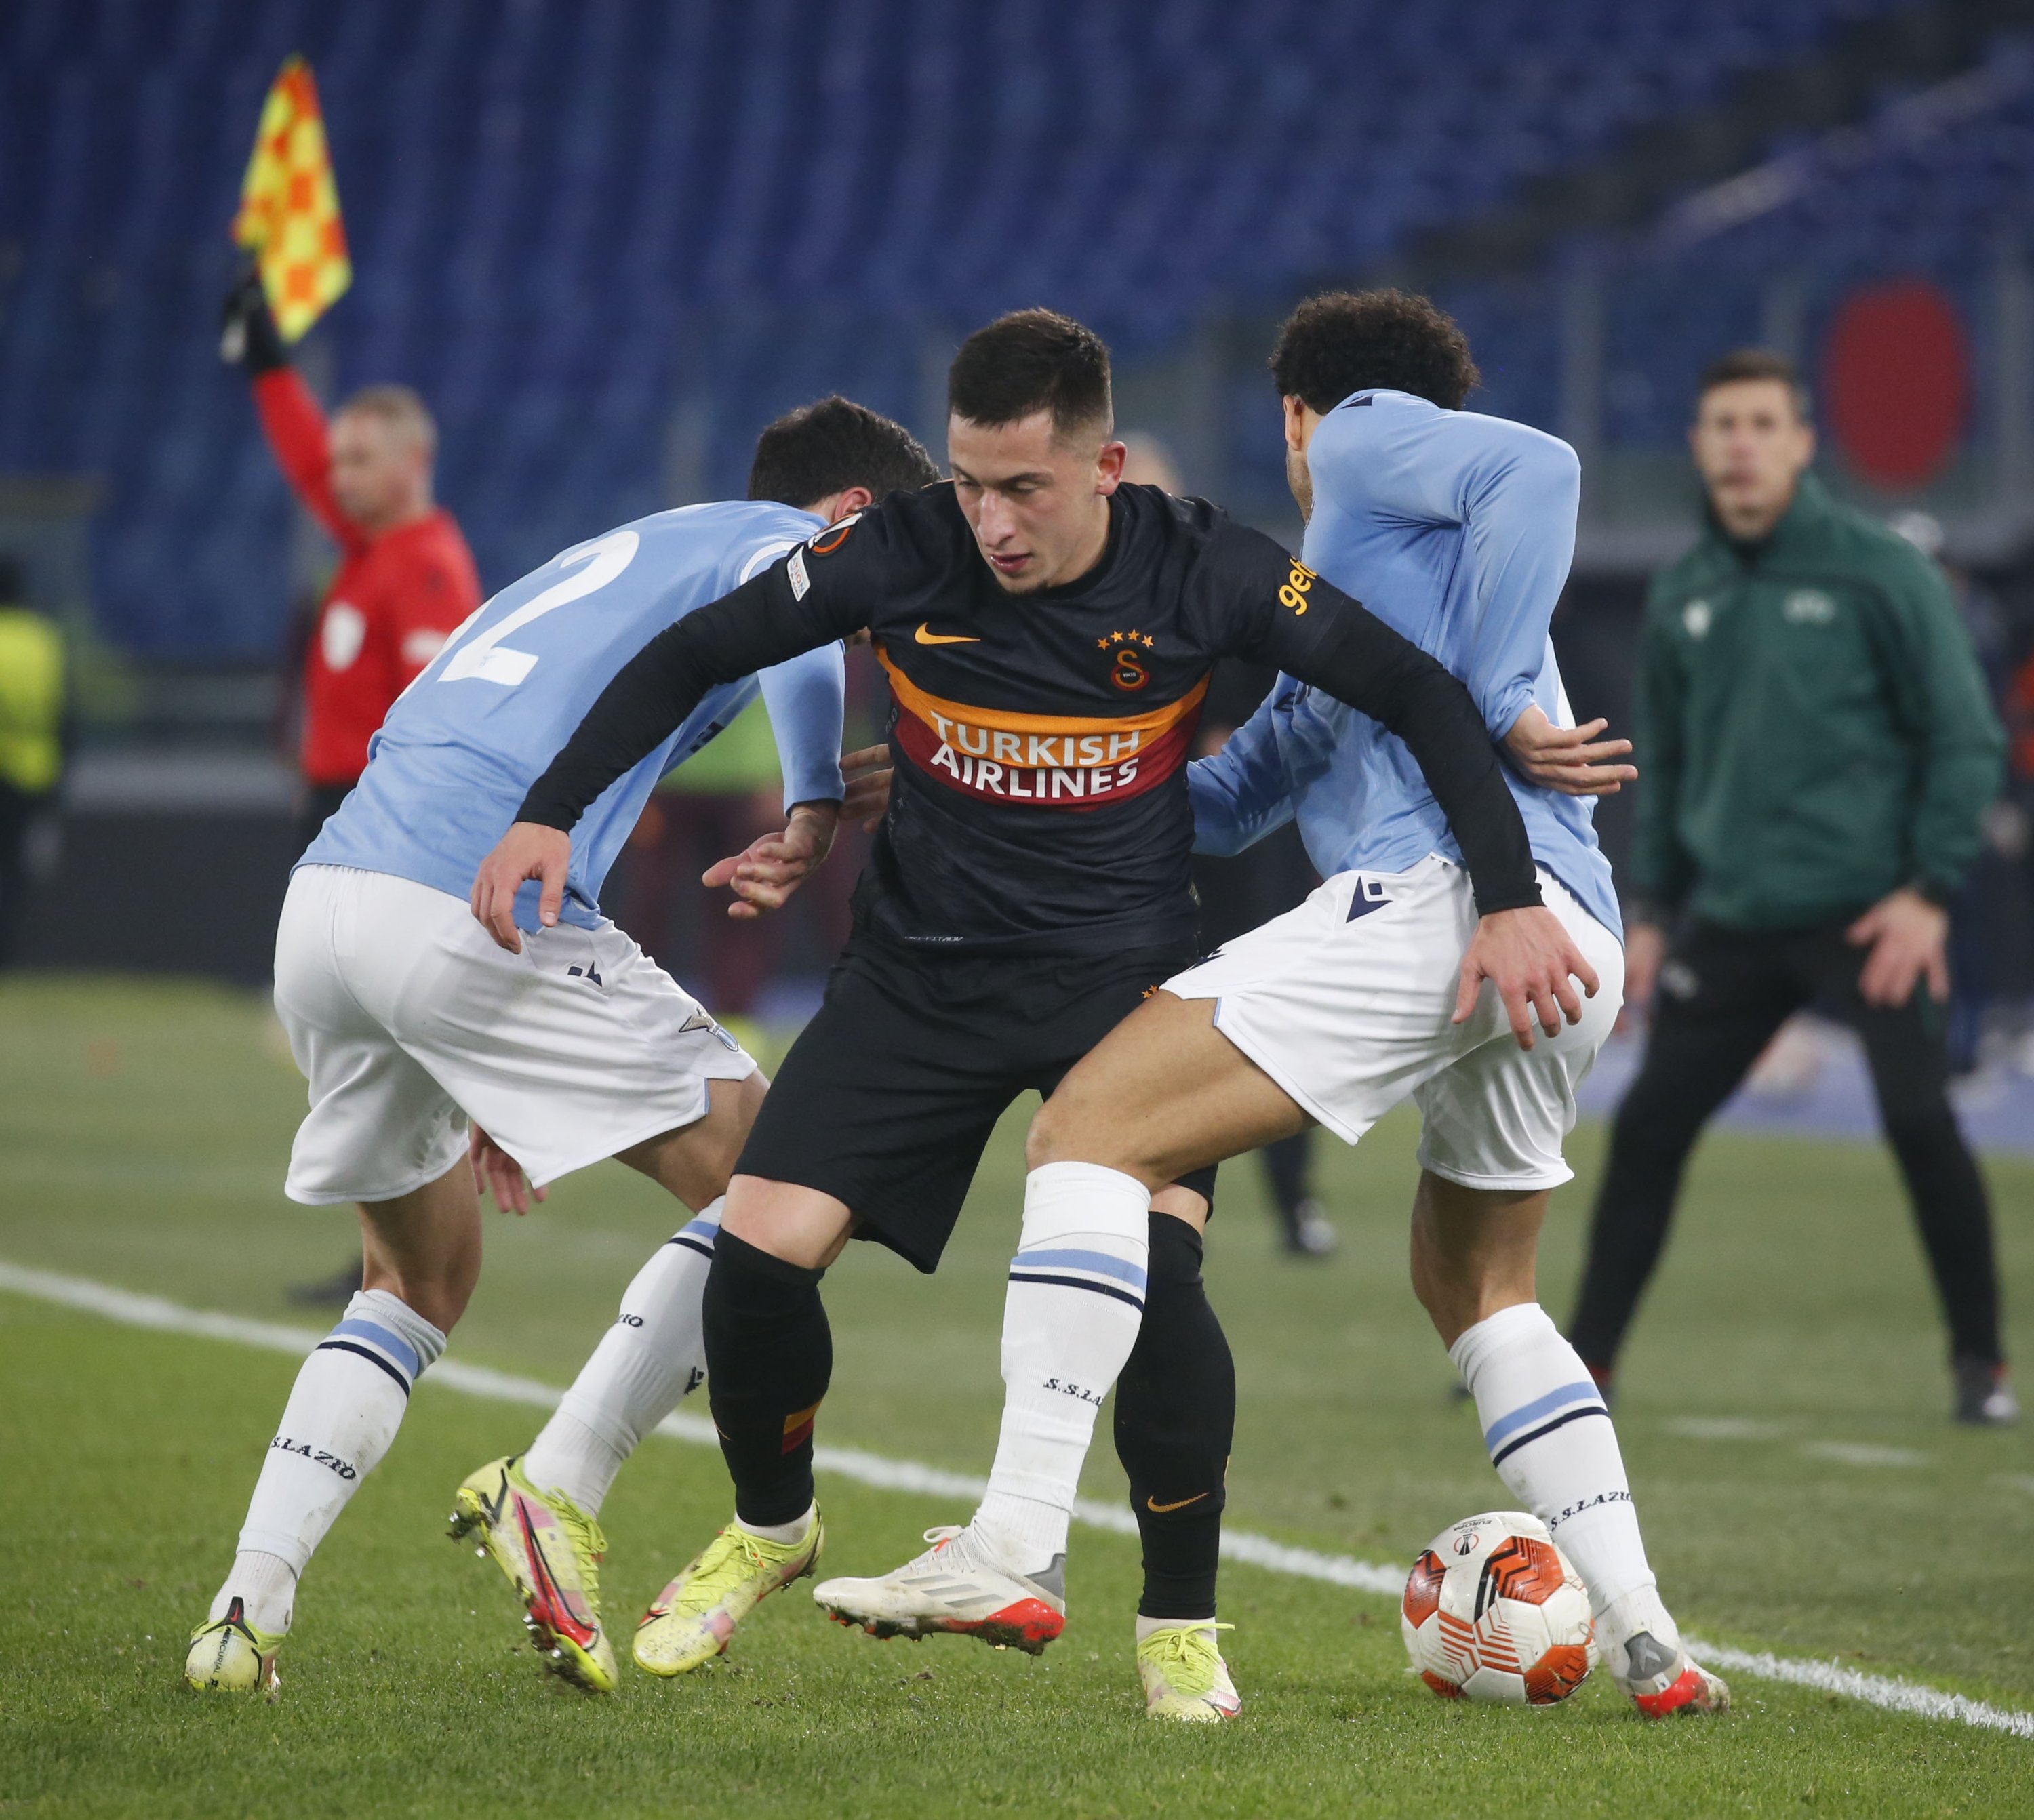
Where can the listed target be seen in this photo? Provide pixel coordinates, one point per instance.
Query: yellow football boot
(694, 1617)
(1184, 1677)
(229, 1656)
(549, 1551)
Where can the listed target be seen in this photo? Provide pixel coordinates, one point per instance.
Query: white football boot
(1642, 1652)
(959, 1585)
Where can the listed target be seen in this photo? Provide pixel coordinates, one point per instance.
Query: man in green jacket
(1816, 752)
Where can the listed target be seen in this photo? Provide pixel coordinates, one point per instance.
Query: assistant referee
(1817, 751)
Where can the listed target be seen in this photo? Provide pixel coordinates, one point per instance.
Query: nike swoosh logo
(1158, 1509)
(926, 638)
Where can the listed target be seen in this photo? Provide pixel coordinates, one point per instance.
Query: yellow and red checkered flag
(289, 206)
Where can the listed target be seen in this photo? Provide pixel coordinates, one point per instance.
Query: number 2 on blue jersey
(488, 660)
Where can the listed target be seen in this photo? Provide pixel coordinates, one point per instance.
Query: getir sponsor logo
(1057, 761)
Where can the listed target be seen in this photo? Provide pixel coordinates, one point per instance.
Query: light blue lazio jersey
(465, 741)
(1457, 530)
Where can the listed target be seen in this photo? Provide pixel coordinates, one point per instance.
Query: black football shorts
(888, 1096)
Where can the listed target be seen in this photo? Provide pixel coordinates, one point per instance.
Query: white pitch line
(132, 1309)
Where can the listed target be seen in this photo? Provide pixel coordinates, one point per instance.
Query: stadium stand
(606, 240)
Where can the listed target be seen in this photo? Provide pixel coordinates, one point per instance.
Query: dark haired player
(1460, 527)
(1048, 634)
(408, 1022)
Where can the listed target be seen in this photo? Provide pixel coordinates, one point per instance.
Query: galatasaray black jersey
(1040, 740)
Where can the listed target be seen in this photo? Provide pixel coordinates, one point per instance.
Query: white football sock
(1070, 1317)
(647, 1364)
(265, 1584)
(343, 1411)
(1145, 1626)
(784, 1532)
(1551, 1438)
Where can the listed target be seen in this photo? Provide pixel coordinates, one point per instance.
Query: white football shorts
(407, 1020)
(1345, 1002)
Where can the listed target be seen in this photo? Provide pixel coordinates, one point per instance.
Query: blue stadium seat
(569, 218)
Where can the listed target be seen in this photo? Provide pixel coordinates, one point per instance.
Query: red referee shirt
(395, 599)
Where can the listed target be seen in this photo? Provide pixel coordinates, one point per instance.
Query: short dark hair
(1030, 360)
(1343, 342)
(1755, 363)
(821, 449)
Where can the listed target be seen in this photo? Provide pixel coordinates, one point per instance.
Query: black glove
(247, 333)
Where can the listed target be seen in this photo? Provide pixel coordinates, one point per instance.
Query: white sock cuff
(388, 1323)
(1066, 1200)
(1525, 1320)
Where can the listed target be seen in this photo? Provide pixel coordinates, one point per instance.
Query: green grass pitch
(1784, 1415)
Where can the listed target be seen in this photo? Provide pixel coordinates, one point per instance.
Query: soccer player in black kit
(1048, 634)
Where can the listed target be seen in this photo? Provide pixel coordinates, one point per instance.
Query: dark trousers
(18, 810)
(1722, 995)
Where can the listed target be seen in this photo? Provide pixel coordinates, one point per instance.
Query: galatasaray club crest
(1127, 669)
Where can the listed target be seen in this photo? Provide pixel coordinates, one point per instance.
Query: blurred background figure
(405, 579)
(1990, 897)
(1237, 894)
(711, 805)
(32, 727)
(1816, 752)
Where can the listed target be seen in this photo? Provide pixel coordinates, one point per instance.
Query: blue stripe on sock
(1499, 1455)
(390, 1341)
(1099, 1261)
(1540, 1406)
(709, 1229)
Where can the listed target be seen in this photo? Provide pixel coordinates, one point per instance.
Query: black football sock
(769, 1358)
(1174, 1419)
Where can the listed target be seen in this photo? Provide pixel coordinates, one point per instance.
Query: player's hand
(1909, 938)
(247, 333)
(496, 1172)
(1644, 953)
(1533, 963)
(868, 773)
(529, 850)
(1569, 759)
(763, 875)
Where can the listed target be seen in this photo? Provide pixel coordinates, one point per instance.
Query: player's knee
(1062, 1130)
